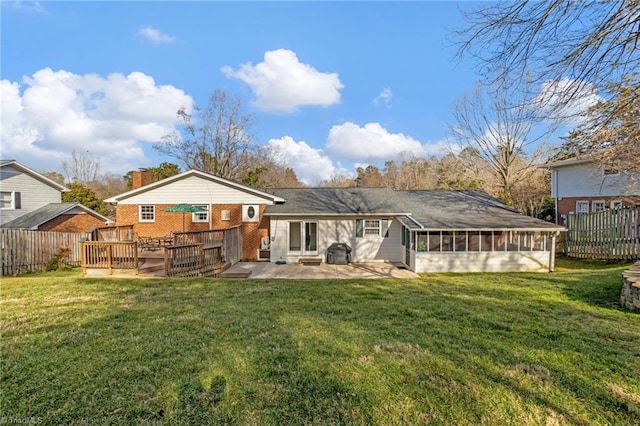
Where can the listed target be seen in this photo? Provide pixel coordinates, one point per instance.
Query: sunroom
(480, 250)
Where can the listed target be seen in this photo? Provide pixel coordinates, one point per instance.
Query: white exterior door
(303, 238)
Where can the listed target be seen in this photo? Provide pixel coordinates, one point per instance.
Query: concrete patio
(265, 270)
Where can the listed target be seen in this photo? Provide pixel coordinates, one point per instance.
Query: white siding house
(582, 186)
(23, 190)
(428, 231)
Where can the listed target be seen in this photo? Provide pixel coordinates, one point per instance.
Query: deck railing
(109, 255)
(193, 260)
(230, 238)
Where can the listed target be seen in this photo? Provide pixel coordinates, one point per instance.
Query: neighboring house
(23, 190)
(580, 185)
(428, 231)
(30, 200)
(60, 217)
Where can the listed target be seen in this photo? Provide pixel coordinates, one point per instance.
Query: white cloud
(26, 6)
(384, 98)
(310, 164)
(53, 113)
(155, 36)
(282, 83)
(567, 100)
(372, 142)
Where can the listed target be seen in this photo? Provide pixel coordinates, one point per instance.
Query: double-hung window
(9, 200)
(201, 216)
(147, 213)
(582, 207)
(597, 206)
(372, 228)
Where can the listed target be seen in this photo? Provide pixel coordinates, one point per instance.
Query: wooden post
(109, 259)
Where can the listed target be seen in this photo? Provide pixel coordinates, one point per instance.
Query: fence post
(109, 260)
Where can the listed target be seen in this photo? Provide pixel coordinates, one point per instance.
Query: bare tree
(612, 134)
(498, 130)
(81, 167)
(587, 41)
(567, 49)
(214, 139)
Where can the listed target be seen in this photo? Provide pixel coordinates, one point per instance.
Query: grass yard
(443, 349)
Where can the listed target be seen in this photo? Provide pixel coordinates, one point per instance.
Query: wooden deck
(205, 255)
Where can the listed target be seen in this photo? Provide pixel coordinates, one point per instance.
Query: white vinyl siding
(509, 261)
(586, 180)
(33, 193)
(337, 230)
(197, 191)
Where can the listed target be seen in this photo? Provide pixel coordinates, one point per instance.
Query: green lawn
(443, 349)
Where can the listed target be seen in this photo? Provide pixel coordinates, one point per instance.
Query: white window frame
(379, 228)
(141, 214)
(615, 204)
(11, 200)
(584, 203)
(203, 216)
(596, 203)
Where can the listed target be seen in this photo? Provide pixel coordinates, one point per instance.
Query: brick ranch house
(225, 204)
(425, 231)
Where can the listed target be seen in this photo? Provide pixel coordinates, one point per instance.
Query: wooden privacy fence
(113, 233)
(193, 260)
(612, 234)
(29, 251)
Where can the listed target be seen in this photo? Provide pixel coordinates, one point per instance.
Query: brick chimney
(141, 178)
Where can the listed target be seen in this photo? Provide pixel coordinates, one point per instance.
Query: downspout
(554, 180)
(552, 252)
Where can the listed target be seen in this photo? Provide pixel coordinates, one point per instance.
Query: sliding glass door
(303, 238)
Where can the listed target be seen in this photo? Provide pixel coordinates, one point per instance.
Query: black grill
(339, 254)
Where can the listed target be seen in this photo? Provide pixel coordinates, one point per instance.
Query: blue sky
(333, 85)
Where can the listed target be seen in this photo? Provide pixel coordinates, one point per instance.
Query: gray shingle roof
(436, 209)
(45, 213)
(335, 201)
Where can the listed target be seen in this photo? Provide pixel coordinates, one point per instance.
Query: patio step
(310, 260)
(236, 271)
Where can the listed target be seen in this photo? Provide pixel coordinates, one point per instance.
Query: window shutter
(17, 202)
(386, 223)
(359, 228)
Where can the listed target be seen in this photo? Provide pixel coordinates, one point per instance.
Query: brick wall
(568, 204)
(165, 223)
(80, 222)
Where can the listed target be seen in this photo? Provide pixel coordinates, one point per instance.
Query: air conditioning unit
(251, 213)
(265, 243)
